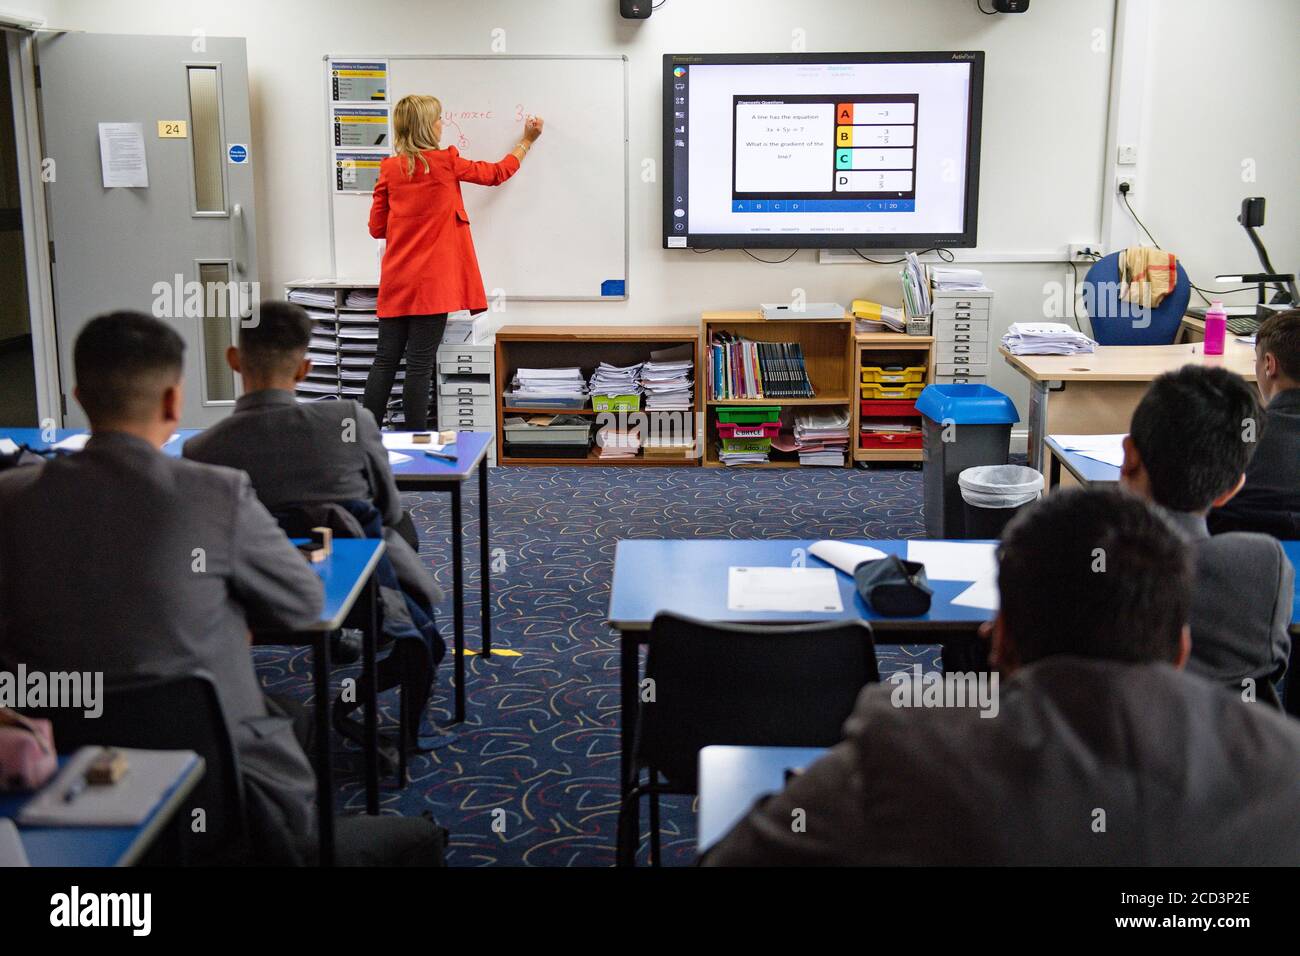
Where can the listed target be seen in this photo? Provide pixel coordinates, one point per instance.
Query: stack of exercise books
(616, 380)
(875, 317)
(666, 379)
(746, 369)
(822, 436)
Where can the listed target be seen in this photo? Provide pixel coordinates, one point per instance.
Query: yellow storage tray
(893, 376)
(878, 391)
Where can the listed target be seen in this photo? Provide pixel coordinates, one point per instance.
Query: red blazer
(429, 263)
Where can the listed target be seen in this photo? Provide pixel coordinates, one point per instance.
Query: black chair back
(172, 713)
(769, 685)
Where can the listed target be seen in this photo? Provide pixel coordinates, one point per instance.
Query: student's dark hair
(1195, 430)
(1280, 335)
(1096, 573)
(277, 340)
(123, 362)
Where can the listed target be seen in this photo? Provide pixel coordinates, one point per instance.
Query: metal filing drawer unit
(961, 336)
(466, 383)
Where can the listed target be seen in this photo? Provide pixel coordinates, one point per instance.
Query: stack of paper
(747, 456)
(548, 383)
(320, 298)
(666, 379)
(616, 380)
(948, 279)
(875, 317)
(362, 299)
(618, 442)
(821, 436)
(1045, 338)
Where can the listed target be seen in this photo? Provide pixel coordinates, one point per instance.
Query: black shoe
(345, 647)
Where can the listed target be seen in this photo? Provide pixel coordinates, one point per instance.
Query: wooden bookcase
(828, 350)
(881, 349)
(586, 346)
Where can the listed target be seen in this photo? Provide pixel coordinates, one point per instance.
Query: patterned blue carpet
(531, 777)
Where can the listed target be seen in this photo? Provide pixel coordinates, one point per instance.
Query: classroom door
(149, 184)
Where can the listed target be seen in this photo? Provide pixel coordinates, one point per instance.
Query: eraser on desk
(106, 769)
(422, 438)
(323, 538)
(447, 438)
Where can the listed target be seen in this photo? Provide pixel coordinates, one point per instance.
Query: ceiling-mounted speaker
(635, 9)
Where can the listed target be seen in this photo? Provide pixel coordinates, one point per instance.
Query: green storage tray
(763, 445)
(749, 414)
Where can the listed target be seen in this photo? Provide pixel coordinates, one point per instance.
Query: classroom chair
(1113, 322)
(769, 685)
(172, 713)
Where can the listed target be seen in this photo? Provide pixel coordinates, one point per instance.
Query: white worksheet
(783, 589)
(954, 561)
(982, 594)
(406, 440)
(844, 555)
(121, 155)
(1108, 449)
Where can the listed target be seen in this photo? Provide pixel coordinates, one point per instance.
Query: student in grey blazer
(296, 452)
(120, 559)
(1101, 749)
(1188, 447)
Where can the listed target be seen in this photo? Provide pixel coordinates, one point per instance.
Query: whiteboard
(558, 229)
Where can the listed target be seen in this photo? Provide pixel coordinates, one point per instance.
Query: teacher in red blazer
(429, 267)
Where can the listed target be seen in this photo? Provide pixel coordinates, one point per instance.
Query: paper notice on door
(121, 155)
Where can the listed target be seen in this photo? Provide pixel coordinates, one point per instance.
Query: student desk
(690, 578)
(1096, 394)
(101, 845)
(31, 437)
(347, 572)
(732, 778)
(1084, 470)
(423, 473)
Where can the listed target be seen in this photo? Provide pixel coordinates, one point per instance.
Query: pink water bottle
(1216, 327)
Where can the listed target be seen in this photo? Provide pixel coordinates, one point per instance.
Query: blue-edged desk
(1086, 471)
(34, 438)
(346, 573)
(101, 846)
(732, 778)
(423, 473)
(690, 578)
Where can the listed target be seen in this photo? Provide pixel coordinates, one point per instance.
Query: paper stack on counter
(615, 380)
(618, 442)
(874, 317)
(1046, 338)
(548, 383)
(948, 279)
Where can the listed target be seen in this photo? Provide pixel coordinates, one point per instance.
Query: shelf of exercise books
(828, 351)
(585, 347)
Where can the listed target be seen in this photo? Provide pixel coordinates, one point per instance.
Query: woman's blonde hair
(414, 119)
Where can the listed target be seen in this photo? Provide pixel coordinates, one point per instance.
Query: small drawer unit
(962, 323)
(466, 382)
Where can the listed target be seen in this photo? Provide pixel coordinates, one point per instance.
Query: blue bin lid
(967, 405)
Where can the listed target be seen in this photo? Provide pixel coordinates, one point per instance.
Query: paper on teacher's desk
(843, 555)
(397, 458)
(405, 440)
(982, 594)
(954, 561)
(783, 589)
(1108, 449)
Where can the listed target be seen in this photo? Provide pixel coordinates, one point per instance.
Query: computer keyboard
(1242, 325)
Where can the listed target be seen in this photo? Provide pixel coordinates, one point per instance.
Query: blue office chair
(1118, 322)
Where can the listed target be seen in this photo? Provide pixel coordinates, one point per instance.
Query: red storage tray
(757, 430)
(889, 408)
(889, 440)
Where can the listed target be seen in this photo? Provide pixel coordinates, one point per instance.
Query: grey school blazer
(1241, 607)
(298, 452)
(123, 560)
(1086, 762)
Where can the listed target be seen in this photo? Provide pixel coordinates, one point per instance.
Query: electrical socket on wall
(1082, 251)
(1121, 180)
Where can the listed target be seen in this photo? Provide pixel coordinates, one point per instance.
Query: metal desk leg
(484, 570)
(458, 597)
(370, 679)
(629, 673)
(1038, 392)
(324, 757)
(1054, 475)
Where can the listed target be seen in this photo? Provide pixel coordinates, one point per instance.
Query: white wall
(1043, 167)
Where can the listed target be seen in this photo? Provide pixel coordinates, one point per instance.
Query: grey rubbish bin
(962, 426)
(992, 494)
